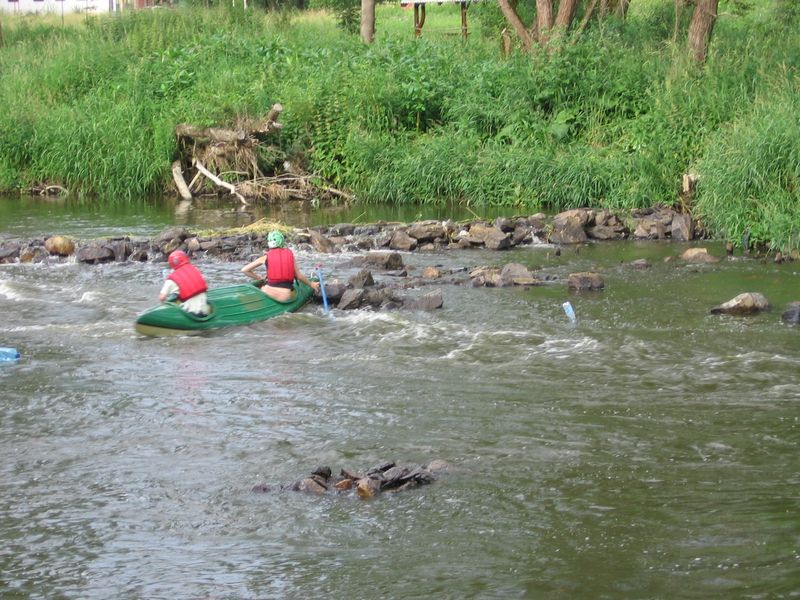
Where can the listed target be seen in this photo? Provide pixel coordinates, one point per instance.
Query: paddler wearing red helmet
(187, 284)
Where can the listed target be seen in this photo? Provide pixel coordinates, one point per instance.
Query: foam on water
(90, 297)
(9, 291)
(566, 347)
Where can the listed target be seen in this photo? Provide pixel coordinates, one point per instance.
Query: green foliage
(346, 12)
(7, 176)
(788, 11)
(612, 119)
(29, 30)
(750, 173)
(491, 18)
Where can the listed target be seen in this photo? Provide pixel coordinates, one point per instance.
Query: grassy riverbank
(612, 121)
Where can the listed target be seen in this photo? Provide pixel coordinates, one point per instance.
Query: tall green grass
(750, 172)
(612, 120)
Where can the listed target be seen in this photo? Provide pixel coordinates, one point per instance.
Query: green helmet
(275, 239)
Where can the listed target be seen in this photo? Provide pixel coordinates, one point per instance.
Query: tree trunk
(566, 13)
(367, 21)
(2, 42)
(544, 19)
(621, 11)
(512, 17)
(700, 28)
(587, 15)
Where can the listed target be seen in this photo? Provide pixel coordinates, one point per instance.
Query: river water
(649, 450)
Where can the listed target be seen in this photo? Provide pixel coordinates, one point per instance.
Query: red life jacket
(189, 280)
(280, 266)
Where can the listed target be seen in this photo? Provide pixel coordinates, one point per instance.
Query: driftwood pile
(384, 477)
(237, 161)
(232, 161)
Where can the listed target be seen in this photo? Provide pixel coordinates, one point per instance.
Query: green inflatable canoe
(230, 305)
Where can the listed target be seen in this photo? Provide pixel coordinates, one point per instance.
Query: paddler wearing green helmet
(281, 267)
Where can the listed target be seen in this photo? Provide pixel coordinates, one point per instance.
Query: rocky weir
(570, 227)
(379, 248)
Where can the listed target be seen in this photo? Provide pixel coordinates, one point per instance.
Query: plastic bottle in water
(570, 312)
(8, 354)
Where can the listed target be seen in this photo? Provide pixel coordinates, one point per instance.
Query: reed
(750, 173)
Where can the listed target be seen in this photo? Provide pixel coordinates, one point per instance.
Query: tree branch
(180, 182)
(512, 16)
(223, 184)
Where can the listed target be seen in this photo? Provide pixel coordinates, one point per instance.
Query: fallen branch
(339, 193)
(194, 180)
(54, 189)
(306, 180)
(210, 135)
(48, 190)
(180, 182)
(270, 123)
(223, 184)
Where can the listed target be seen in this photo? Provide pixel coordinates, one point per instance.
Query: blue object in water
(8, 354)
(570, 312)
(322, 289)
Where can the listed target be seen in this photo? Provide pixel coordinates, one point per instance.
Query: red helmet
(177, 259)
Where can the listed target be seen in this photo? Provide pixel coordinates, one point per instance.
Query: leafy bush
(347, 13)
